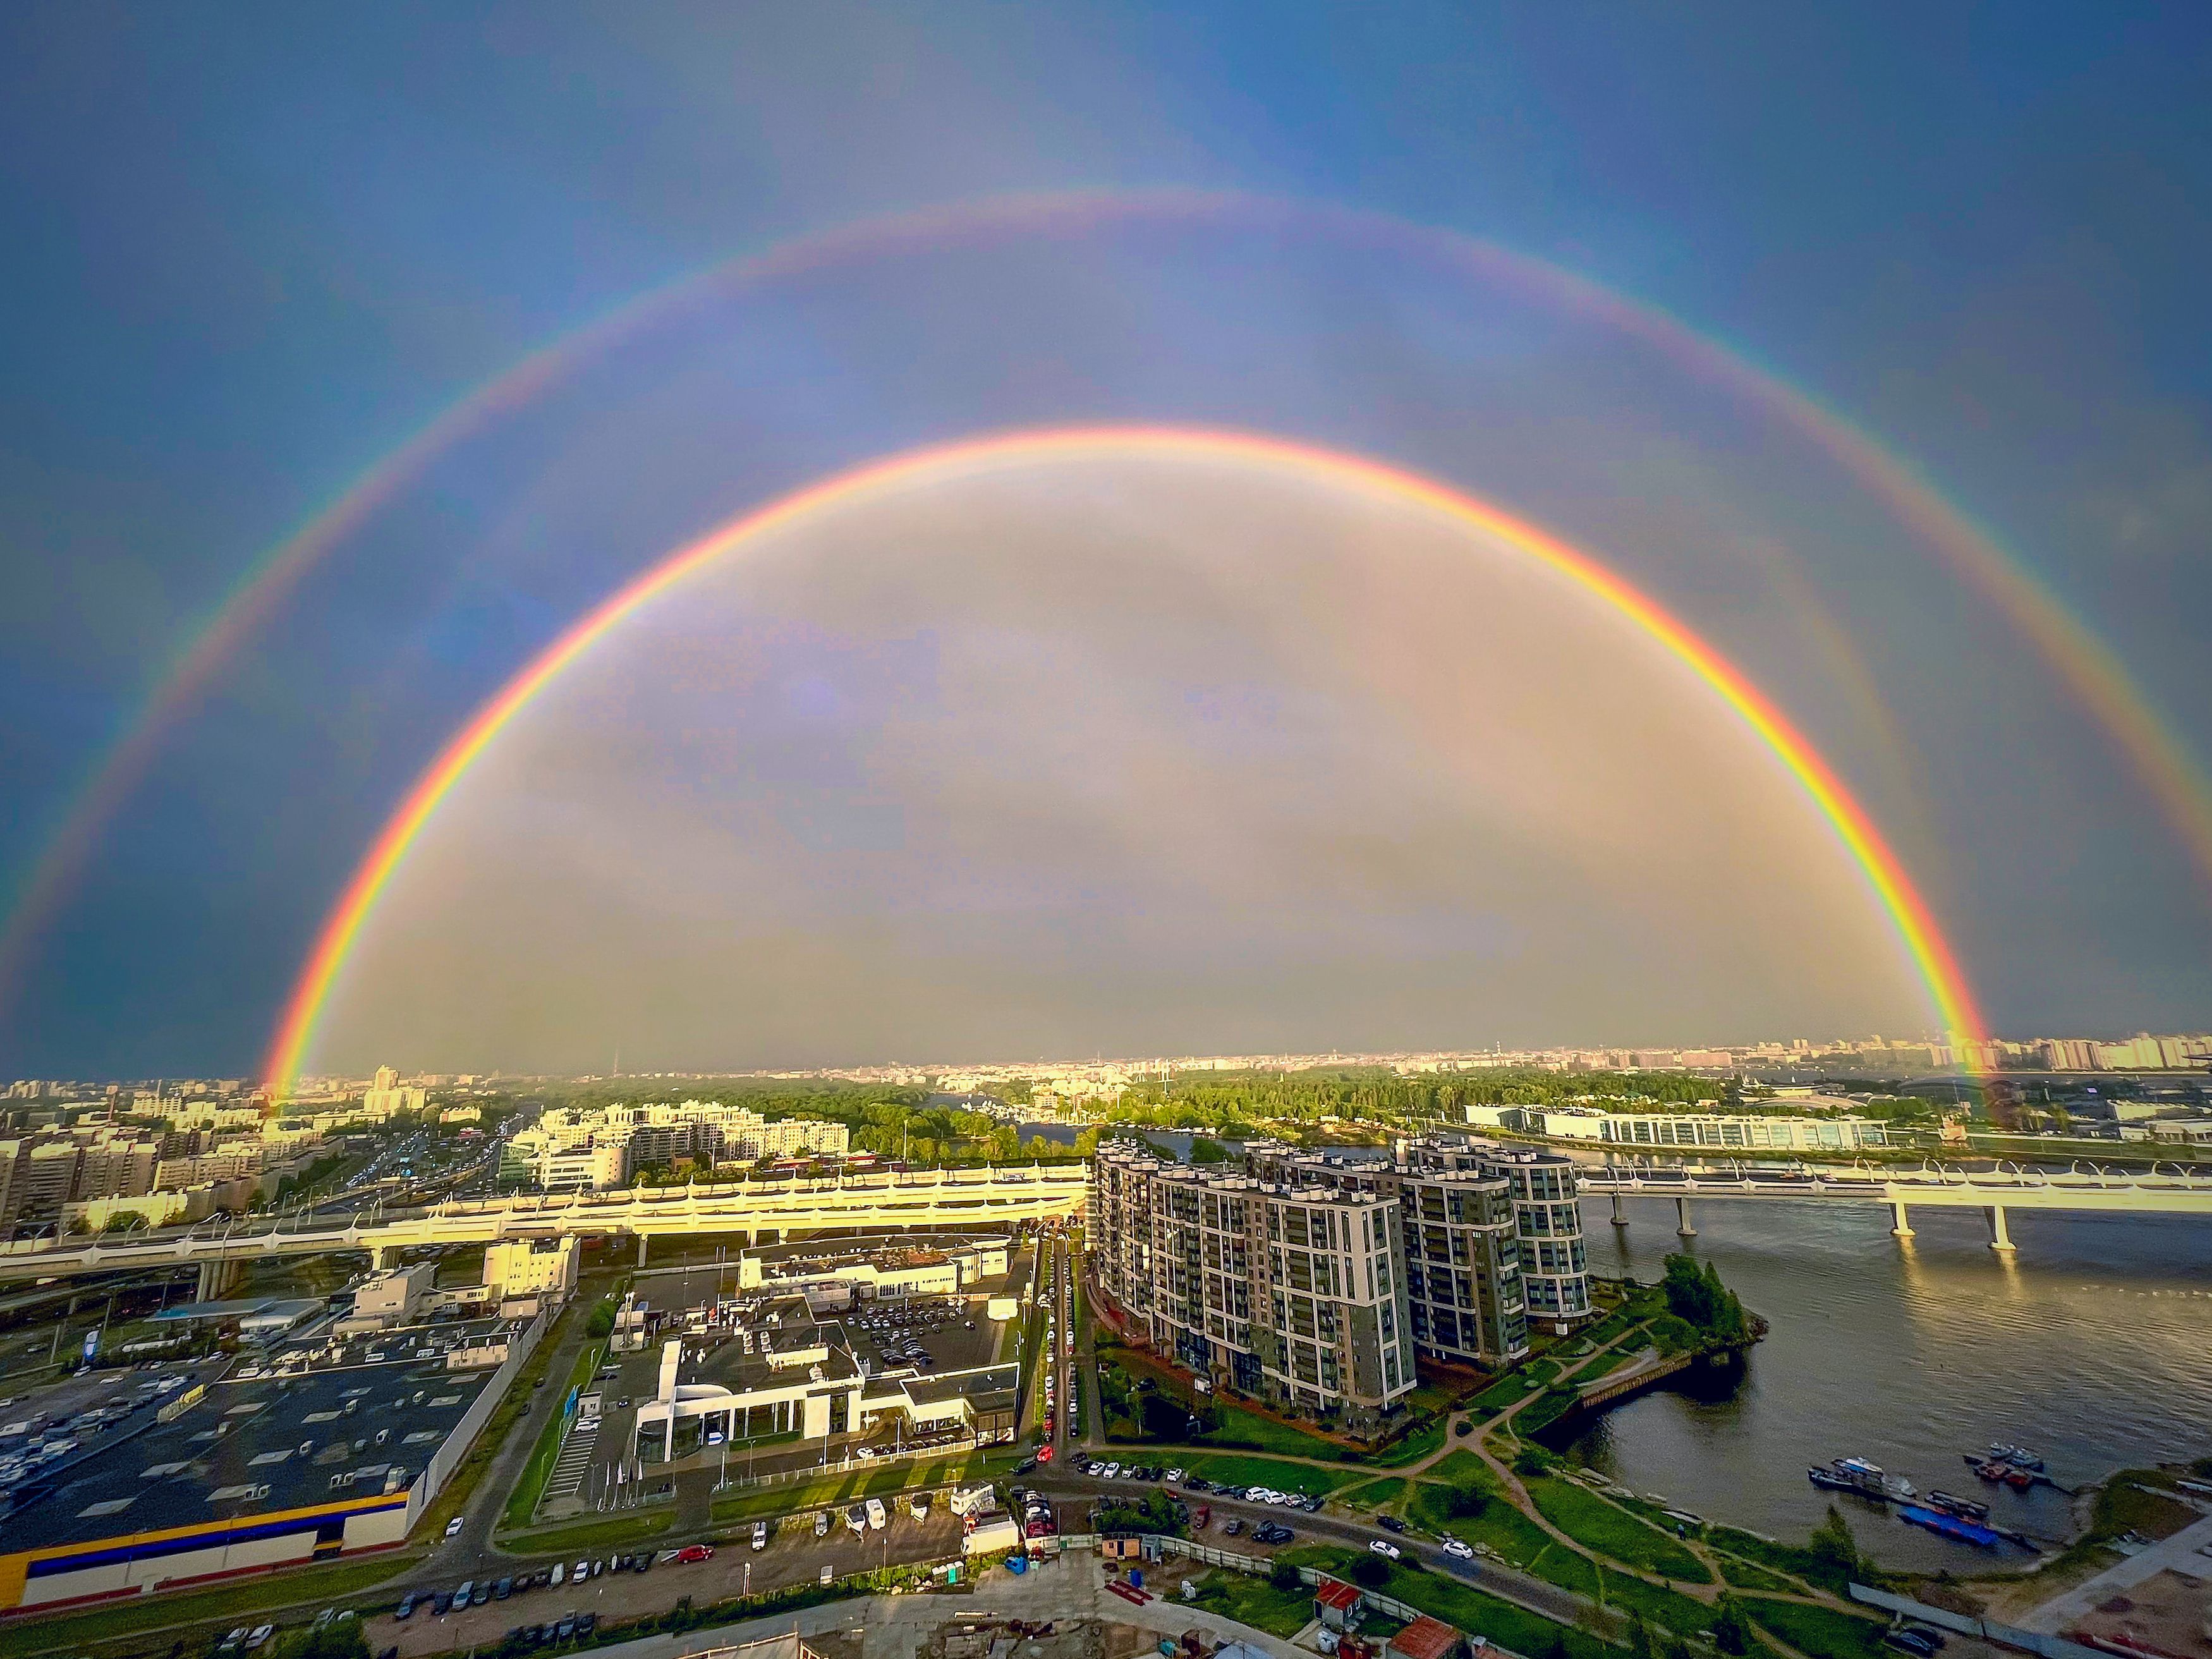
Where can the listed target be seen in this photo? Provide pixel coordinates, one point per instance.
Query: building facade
(1293, 1293)
(596, 1148)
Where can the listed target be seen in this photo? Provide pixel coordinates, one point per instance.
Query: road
(1070, 1490)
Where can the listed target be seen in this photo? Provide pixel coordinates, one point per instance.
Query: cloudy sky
(252, 250)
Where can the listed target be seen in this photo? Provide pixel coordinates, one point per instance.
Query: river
(2093, 1346)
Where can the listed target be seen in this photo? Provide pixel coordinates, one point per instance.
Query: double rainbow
(1924, 942)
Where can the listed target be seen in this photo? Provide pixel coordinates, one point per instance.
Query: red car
(1044, 1455)
(696, 1552)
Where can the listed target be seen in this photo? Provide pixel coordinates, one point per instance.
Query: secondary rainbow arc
(1936, 963)
(2156, 752)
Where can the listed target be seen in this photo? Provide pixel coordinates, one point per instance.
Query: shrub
(1370, 1572)
(1284, 1576)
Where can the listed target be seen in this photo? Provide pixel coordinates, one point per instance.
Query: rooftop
(250, 1446)
(1425, 1638)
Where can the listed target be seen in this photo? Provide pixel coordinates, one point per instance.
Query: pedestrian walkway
(575, 1462)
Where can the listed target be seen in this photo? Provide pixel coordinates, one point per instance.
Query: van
(760, 1534)
(877, 1519)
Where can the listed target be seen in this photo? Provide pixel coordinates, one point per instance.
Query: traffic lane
(793, 1556)
(1534, 1593)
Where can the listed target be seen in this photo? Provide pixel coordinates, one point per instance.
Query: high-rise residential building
(1493, 1236)
(1463, 1254)
(1293, 1293)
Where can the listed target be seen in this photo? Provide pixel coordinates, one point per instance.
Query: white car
(1458, 1551)
(1111, 1472)
(1384, 1546)
(453, 1527)
(1173, 1477)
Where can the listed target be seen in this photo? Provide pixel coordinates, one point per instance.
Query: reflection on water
(2093, 1345)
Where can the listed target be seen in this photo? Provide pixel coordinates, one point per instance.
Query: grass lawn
(1822, 1633)
(522, 1502)
(1501, 1526)
(2124, 1506)
(1782, 1558)
(23, 1638)
(1235, 1426)
(765, 1502)
(1374, 1495)
(1463, 1469)
(1463, 1605)
(1683, 1615)
(1611, 1531)
(1414, 1447)
(1268, 1472)
(1744, 1576)
(1256, 1602)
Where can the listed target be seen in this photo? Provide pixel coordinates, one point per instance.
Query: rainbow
(1931, 955)
(2155, 750)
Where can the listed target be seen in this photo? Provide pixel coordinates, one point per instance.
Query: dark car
(1925, 1633)
(1912, 1642)
(406, 1607)
(566, 1628)
(587, 1624)
(645, 1562)
(1389, 1523)
(1273, 1533)
(502, 1589)
(441, 1601)
(482, 1595)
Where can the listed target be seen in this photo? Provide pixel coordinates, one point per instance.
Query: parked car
(1274, 1532)
(453, 1527)
(1458, 1551)
(1912, 1642)
(1389, 1523)
(1232, 1526)
(261, 1634)
(502, 1589)
(406, 1607)
(560, 1573)
(821, 1523)
(1384, 1547)
(580, 1572)
(760, 1534)
(693, 1553)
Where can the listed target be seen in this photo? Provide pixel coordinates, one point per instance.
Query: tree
(1834, 1551)
(1731, 1630)
(1284, 1576)
(1370, 1572)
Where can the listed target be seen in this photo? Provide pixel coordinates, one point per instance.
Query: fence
(966, 1442)
(2010, 1636)
(456, 1444)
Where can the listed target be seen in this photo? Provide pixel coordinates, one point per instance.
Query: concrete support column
(385, 1256)
(640, 1250)
(1999, 1238)
(216, 1279)
(1903, 1227)
(1619, 1212)
(1682, 1217)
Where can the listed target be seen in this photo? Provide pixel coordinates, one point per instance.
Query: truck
(966, 1500)
(991, 1533)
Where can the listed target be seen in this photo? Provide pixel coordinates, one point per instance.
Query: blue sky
(252, 247)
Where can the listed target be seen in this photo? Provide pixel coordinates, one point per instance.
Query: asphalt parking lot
(793, 1556)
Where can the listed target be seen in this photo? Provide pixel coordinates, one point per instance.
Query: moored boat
(1948, 1526)
(1965, 1508)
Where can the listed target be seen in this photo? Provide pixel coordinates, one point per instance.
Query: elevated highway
(751, 1210)
(1993, 1192)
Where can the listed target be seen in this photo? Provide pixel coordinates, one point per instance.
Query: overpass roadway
(1993, 1192)
(936, 1198)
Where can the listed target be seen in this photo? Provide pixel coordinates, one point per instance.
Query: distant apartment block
(592, 1149)
(1720, 1131)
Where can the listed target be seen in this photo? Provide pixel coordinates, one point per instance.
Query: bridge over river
(1993, 1192)
(748, 1209)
